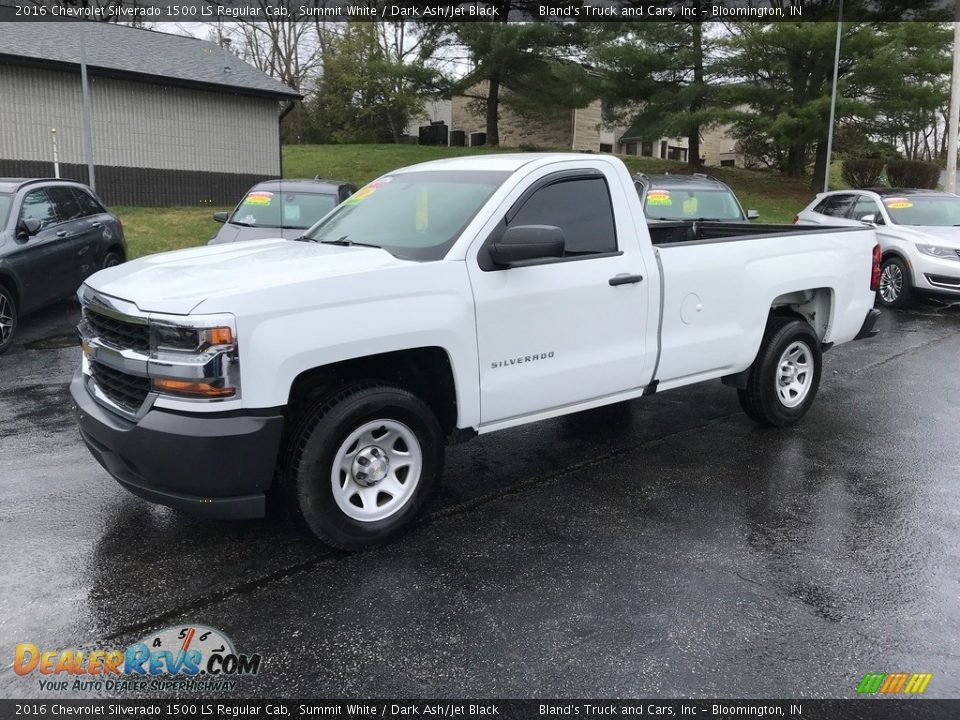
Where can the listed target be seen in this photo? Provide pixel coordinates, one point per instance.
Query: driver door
(556, 332)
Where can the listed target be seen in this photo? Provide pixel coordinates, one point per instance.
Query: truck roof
(509, 162)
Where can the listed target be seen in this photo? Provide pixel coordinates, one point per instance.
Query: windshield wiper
(345, 241)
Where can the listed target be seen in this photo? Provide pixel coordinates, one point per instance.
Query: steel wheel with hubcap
(8, 319)
(795, 375)
(782, 382)
(362, 461)
(376, 470)
(895, 288)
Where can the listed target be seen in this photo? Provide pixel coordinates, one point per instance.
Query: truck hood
(176, 282)
(239, 233)
(928, 235)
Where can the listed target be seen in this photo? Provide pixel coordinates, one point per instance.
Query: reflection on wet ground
(662, 547)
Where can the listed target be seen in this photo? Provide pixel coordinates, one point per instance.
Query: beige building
(175, 120)
(719, 149)
(584, 130)
(578, 129)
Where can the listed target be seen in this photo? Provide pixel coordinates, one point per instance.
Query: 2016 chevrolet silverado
(443, 300)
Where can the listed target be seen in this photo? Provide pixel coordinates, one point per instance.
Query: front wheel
(783, 380)
(363, 463)
(8, 319)
(896, 289)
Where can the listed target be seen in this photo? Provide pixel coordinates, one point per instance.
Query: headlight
(195, 357)
(938, 251)
(177, 338)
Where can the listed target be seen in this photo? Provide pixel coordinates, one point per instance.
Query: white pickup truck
(440, 301)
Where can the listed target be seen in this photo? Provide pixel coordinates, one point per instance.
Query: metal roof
(121, 50)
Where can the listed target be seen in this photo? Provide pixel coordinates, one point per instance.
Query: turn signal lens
(220, 336)
(186, 388)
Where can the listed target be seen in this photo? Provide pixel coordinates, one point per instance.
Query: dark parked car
(280, 208)
(668, 198)
(54, 234)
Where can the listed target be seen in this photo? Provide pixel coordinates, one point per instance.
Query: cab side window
(38, 205)
(580, 207)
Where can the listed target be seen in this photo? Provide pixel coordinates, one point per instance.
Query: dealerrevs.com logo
(192, 658)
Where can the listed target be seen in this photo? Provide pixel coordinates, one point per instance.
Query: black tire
(8, 319)
(318, 439)
(762, 400)
(111, 259)
(896, 285)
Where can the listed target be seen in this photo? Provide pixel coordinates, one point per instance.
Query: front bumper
(215, 465)
(936, 276)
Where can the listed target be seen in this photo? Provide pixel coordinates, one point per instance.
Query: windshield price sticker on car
(659, 197)
(365, 192)
(897, 203)
(259, 198)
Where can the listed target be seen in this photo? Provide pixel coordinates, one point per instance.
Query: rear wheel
(896, 289)
(8, 319)
(783, 380)
(363, 462)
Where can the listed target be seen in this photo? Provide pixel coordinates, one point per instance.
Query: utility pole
(87, 113)
(952, 125)
(833, 99)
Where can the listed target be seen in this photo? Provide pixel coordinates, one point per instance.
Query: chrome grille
(127, 391)
(118, 333)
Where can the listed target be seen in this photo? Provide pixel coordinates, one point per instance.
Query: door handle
(61, 233)
(96, 224)
(625, 279)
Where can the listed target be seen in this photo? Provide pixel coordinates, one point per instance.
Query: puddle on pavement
(54, 342)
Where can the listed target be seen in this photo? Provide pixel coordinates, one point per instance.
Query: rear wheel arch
(814, 306)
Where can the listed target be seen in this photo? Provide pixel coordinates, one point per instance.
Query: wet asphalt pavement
(665, 547)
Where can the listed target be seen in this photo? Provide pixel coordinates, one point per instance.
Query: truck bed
(703, 231)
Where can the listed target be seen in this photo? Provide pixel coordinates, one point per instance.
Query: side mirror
(753, 214)
(28, 227)
(527, 242)
(221, 217)
(870, 219)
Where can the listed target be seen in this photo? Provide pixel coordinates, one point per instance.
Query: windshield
(931, 210)
(412, 215)
(699, 204)
(282, 209)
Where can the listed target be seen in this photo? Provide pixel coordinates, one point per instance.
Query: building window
(606, 147)
(646, 148)
(728, 163)
(677, 153)
(663, 149)
(631, 149)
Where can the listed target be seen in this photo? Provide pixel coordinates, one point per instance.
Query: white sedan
(918, 231)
